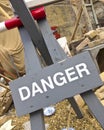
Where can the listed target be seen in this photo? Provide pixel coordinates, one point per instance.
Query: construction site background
(64, 16)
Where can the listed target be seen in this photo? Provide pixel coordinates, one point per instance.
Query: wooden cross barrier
(62, 77)
(57, 56)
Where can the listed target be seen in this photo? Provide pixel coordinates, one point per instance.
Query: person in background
(11, 47)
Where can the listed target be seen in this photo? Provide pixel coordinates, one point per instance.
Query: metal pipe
(38, 14)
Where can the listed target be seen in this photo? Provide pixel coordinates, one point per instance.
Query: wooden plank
(36, 118)
(77, 23)
(84, 43)
(97, 109)
(37, 3)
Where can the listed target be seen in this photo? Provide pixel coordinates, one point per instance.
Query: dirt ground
(64, 117)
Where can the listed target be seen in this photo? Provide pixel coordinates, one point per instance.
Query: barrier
(67, 76)
(37, 14)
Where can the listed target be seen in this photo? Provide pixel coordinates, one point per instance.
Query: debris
(27, 125)
(7, 126)
(91, 34)
(2, 80)
(46, 126)
(102, 101)
(5, 103)
(83, 44)
(77, 22)
(48, 111)
(96, 43)
(79, 100)
(64, 44)
(100, 95)
(3, 119)
(91, 39)
(68, 128)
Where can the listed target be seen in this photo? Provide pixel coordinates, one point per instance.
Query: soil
(64, 117)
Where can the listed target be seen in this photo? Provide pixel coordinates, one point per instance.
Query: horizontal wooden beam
(37, 3)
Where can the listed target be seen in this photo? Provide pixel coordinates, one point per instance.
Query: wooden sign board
(37, 3)
(54, 83)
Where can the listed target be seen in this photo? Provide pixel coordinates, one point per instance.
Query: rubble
(5, 102)
(83, 44)
(91, 34)
(91, 39)
(7, 126)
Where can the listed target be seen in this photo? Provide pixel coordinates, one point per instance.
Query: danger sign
(54, 83)
(59, 79)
